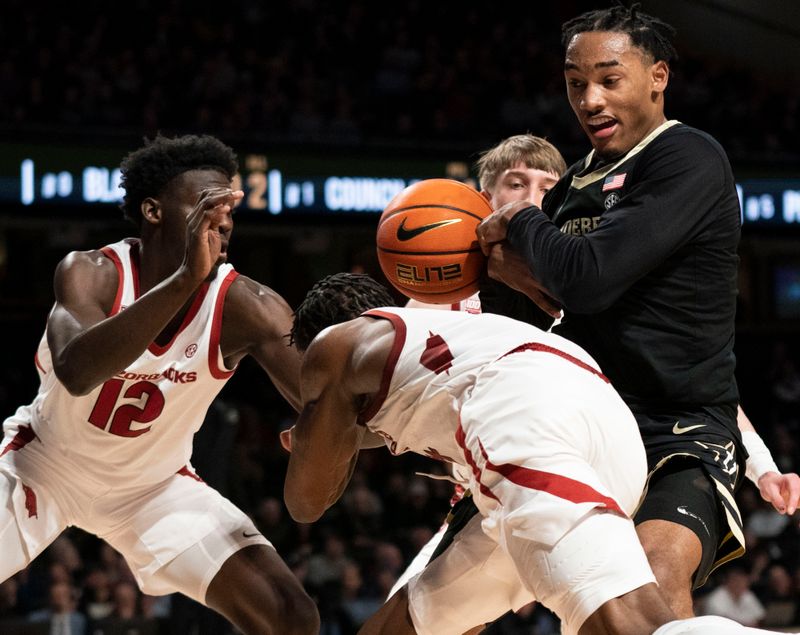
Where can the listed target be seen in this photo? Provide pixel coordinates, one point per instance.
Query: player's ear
(659, 76)
(151, 211)
(487, 195)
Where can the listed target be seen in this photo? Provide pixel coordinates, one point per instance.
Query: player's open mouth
(602, 128)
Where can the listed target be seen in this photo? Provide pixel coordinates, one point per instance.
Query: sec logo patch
(611, 200)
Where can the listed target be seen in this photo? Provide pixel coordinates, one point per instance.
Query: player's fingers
(496, 265)
(490, 231)
(770, 492)
(213, 196)
(205, 210)
(218, 214)
(791, 493)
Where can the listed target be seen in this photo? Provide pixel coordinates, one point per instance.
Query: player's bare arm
(256, 321)
(341, 374)
(87, 346)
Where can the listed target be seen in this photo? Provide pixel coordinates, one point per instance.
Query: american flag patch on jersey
(614, 182)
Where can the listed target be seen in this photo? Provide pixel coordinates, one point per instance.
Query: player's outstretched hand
(782, 490)
(492, 229)
(508, 267)
(204, 242)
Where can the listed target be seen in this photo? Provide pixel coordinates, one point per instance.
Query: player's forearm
(586, 273)
(565, 265)
(95, 354)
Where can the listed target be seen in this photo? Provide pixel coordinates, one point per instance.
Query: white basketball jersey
(137, 427)
(433, 365)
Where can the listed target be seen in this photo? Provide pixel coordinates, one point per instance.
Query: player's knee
(671, 550)
(288, 612)
(303, 616)
(642, 610)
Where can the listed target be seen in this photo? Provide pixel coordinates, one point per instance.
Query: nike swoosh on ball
(407, 234)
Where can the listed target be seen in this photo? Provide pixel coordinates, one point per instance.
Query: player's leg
(419, 561)
(258, 593)
(639, 611)
(678, 525)
(472, 583)
(688, 522)
(184, 536)
(596, 578)
(30, 518)
(15, 556)
(393, 618)
(555, 483)
(674, 553)
(462, 509)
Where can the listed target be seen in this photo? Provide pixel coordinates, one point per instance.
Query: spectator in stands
(9, 599)
(126, 601)
(96, 599)
(61, 612)
(780, 599)
(734, 599)
(329, 565)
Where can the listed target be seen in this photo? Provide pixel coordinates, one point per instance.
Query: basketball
(427, 246)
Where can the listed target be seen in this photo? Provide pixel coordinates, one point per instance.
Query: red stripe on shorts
(554, 484)
(461, 440)
(533, 346)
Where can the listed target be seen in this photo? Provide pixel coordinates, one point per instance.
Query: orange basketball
(427, 246)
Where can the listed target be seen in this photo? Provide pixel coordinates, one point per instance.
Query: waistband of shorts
(544, 348)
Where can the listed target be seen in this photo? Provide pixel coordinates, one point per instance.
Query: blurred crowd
(411, 74)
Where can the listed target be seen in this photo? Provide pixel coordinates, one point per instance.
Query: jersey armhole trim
(391, 362)
(216, 330)
(113, 256)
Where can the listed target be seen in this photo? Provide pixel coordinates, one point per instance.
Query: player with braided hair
(334, 300)
(638, 243)
(646, 32)
(555, 462)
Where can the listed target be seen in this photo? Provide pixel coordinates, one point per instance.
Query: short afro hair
(333, 300)
(146, 171)
(648, 33)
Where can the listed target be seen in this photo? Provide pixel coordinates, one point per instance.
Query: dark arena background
(333, 107)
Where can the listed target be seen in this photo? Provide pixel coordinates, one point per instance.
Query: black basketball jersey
(642, 253)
